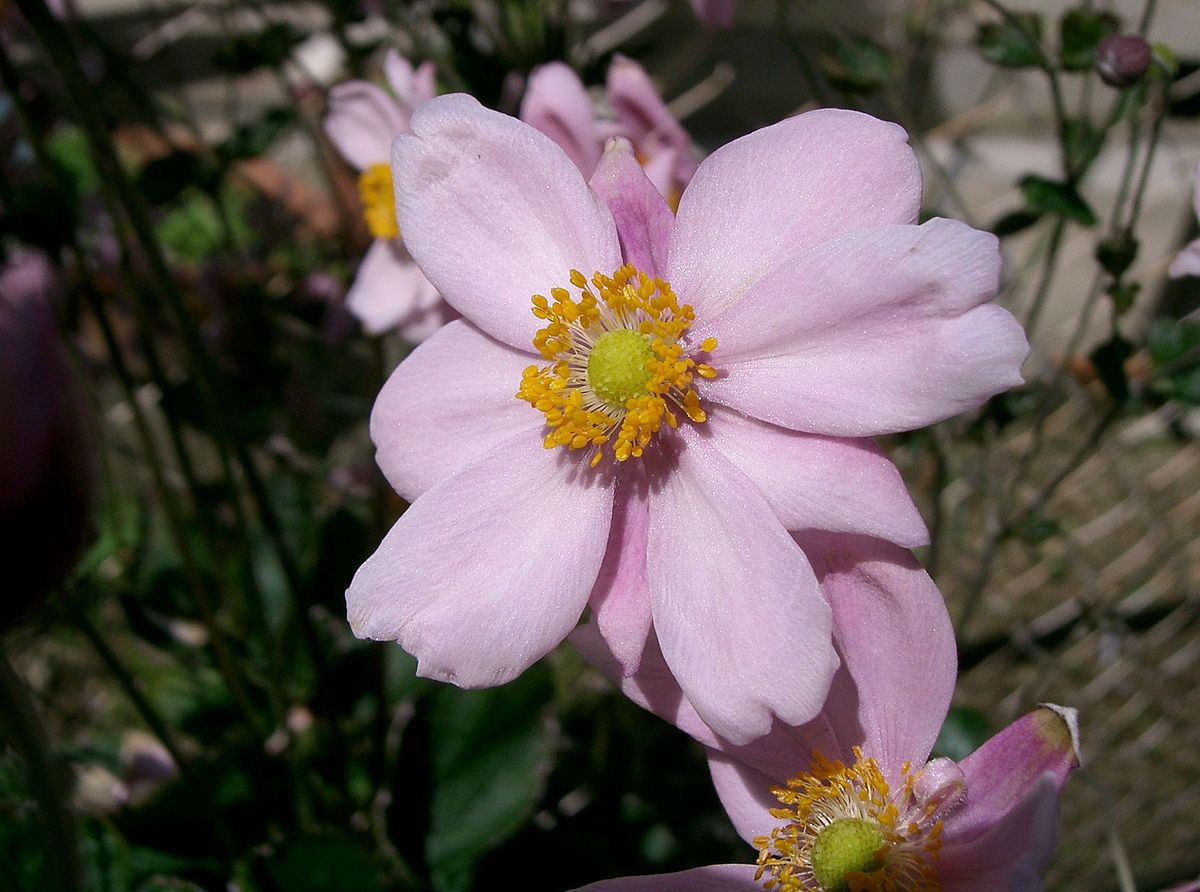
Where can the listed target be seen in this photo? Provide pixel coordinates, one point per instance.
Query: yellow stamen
(843, 830)
(617, 367)
(379, 201)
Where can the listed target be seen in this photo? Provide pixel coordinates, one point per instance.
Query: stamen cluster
(634, 396)
(379, 201)
(831, 792)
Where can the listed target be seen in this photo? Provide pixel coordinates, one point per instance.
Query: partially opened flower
(850, 801)
(1187, 262)
(557, 103)
(389, 290)
(637, 406)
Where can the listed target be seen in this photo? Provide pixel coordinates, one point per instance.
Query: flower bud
(1121, 59)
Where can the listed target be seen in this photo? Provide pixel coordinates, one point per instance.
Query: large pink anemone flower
(389, 289)
(557, 103)
(637, 406)
(850, 800)
(1187, 261)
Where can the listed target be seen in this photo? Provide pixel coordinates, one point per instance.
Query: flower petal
(447, 405)
(813, 482)
(644, 118)
(557, 104)
(715, 878)
(739, 616)
(896, 642)
(889, 329)
(1000, 773)
(1186, 262)
(620, 601)
(490, 569)
(362, 121)
(412, 87)
(745, 794)
(494, 213)
(387, 287)
(718, 13)
(762, 199)
(641, 214)
(1010, 855)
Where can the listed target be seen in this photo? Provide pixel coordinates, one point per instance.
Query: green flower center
(617, 366)
(844, 847)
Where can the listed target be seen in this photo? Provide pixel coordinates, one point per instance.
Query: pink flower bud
(1121, 59)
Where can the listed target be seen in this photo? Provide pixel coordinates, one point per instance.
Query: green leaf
(1109, 360)
(1038, 528)
(490, 755)
(1123, 295)
(253, 139)
(1014, 42)
(324, 863)
(1081, 143)
(1117, 253)
(963, 732)
(858, 65)
(1051, 197)
(1014, 222)
(269, 47)
(1175, 351)
(1079, 32)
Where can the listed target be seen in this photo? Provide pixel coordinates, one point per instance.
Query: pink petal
(494, 213)
(895, 639)
(879, 331)
(362, 121)
(430, 314)
(1186, 262)
(745, 794)
(641, 214)
(412, 87)
(718, 13)
(716, 878)
(1010, 855)
(644, 118)
(761, 200)
(448, 405)
(387, 287)
(1000, 773)
(620, 601)
(813, 482)
(557, 104)
(490, 569)
(739, 616)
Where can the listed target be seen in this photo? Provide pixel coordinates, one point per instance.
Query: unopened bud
(1121, 59)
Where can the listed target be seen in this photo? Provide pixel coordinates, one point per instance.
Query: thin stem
(1034, 313)
(20, 726)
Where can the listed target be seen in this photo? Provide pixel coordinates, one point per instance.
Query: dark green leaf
(324, 864)
(1015, 222)
(269, 47)
(253, 139)
(1081, 143)
(1050, 197)
(1117, 253)
(1014, 42)
(858, 65)
(1038, 528)
(1079, 32)
(963, 732)
(164, 179)
(1109, 360)
(490, 757)
(1123, 295)
(1175, 350)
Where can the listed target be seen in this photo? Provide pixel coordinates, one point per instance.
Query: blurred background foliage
(187, 709)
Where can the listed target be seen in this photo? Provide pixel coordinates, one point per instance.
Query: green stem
(20, 726)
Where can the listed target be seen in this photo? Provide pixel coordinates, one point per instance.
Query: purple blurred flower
(1121, 59)
(389, 290)
(850, 800)
(45, 474)
(1187, 261)
(718, 13)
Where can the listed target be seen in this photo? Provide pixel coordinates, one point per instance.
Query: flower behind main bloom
(642, 441)
(850, 801)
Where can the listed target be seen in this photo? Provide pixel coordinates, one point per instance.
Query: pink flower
(557, 103)
(640, 441)
(852, 792)
(1187, 261)
(389, 291)
(718, 13)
